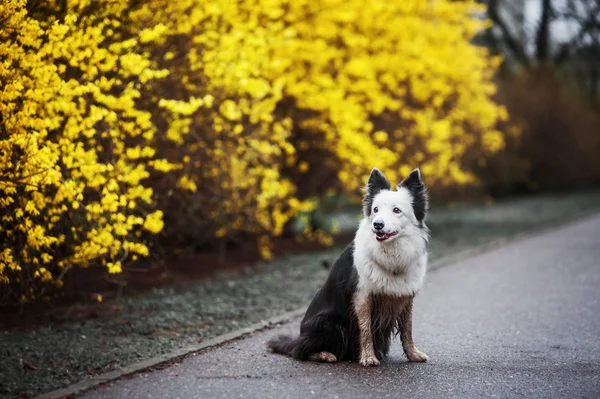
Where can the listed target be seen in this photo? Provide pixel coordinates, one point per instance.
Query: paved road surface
(521, 321)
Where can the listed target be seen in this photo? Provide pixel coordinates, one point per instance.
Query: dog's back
(327, 324)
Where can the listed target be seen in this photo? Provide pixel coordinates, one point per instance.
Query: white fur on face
(384, 204)
(397, 265)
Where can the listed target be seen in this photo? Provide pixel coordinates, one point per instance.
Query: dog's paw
(369, 361)
(325, 357)
(416, 355)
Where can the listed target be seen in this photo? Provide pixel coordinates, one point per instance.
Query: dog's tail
(284, 344)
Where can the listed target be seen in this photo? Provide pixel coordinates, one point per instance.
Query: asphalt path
(519, 321)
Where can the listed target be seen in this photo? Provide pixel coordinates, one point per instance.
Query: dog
(368, 295)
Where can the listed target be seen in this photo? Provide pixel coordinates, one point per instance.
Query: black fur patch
(376, 183)
(329, 323)
(418, 190)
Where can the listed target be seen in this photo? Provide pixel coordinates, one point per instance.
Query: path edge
(172, 356)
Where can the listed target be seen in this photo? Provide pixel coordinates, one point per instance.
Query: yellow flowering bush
(394, 84)
(222, 126)
(349, 84)
(221, 120)
(271, 98)
(74, 145)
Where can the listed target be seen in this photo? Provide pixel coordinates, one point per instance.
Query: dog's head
(395, 213)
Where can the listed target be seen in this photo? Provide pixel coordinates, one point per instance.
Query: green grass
(170, 318)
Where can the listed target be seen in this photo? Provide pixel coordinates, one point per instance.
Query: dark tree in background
(550, 83)
(564, 34)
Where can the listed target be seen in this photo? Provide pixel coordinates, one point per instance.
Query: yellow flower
(114, 267)
(381, 136)
(303, 167)
(154, 222)
(43, 274)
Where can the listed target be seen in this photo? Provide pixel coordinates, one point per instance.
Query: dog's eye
(397, 210)
(375, 209)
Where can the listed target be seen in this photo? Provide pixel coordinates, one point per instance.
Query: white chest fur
(393, 268)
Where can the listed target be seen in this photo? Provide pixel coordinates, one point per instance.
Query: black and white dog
(369, 293)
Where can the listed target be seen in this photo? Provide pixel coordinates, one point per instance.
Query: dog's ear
(375, 184)
(414, 184)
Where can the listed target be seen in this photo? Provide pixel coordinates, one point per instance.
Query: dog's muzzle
(381, 236)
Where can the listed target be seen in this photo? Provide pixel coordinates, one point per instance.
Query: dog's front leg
(363, 305)
(405, 326)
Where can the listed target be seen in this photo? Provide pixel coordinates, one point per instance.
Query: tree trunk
(542, 40)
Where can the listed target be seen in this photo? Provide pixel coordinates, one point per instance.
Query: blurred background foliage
(550, 82)
(131, 129)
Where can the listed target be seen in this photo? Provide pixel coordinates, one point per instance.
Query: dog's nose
(378, 225)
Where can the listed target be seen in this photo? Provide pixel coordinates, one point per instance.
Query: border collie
(369, 293)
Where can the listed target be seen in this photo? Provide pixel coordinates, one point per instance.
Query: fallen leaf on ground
(29, 366)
